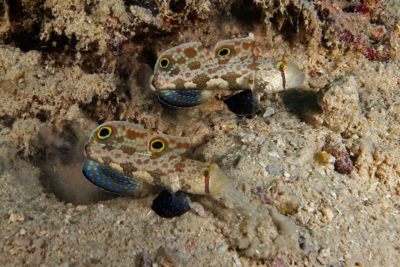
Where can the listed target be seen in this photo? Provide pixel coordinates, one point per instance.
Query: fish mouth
(151, 83)
(85, 149)
(294, 76)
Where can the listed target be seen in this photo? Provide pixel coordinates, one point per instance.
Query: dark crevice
(291, 24)
(127, 91)
(57, 43)
(247, 12)
(177, 6)
(59, 49)
(43, 115)
(141, 71)
(126, 62)
(15, 10)
(89, 7)
(148, 56)
(91, 63)
(23, 39)
(144, 37)
(7, 121)
(300, 101)
(2, 10)
(22, 34)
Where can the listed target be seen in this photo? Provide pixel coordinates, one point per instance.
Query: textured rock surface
(323, 165)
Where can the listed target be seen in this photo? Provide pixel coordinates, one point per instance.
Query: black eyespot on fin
(169, 205)
(243, 104)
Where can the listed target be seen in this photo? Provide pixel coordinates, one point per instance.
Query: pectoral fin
(109, 180)
(245, 103)
(183, 97)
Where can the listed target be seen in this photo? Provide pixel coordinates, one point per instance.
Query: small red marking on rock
(312, 73)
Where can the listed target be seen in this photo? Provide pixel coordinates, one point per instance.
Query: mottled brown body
(231, 65)
(156, 160)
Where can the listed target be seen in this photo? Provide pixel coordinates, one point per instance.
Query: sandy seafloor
(322, 161)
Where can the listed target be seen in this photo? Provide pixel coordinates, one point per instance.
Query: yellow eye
(281, 64)
(164, 63)
(224, 52)
(157, 145)
(104, 132)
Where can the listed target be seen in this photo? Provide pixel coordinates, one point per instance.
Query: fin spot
(168, 206)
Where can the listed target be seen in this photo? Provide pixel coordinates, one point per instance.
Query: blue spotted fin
(183, 97)
(169, 205)
(245, 103)
(109, 180)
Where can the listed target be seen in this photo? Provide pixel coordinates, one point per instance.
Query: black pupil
(104, 132)
(157, 145)
(223, 52)
(164, 63)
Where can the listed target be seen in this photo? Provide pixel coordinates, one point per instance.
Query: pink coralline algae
(343, 163)
(361, 26)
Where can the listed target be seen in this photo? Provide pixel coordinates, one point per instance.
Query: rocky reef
(321, 161)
